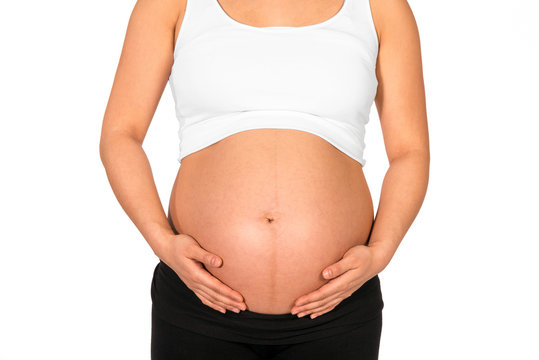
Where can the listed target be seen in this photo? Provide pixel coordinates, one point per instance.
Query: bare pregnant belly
(278, 205)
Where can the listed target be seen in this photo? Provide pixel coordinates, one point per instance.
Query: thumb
(206, 257)
(336, 269)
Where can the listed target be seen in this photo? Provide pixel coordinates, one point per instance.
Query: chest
(323, 72)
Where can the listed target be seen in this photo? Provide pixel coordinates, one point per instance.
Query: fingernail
(301, 315)
(313, 316)
(214, 261)
(327, 273)
(223, 311)
(237, 311)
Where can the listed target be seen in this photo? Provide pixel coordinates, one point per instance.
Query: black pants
(171, 342)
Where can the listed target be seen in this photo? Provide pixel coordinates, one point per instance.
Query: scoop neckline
(280, 28)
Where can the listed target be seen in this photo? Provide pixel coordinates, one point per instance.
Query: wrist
(382, 255)
(159, 238)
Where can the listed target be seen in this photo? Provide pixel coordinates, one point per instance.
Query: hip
(174, 303)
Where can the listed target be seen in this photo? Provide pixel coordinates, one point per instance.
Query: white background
(76, 273)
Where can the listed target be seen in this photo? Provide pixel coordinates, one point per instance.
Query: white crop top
(228, 77)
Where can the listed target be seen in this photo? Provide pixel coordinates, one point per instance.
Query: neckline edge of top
(328, 21)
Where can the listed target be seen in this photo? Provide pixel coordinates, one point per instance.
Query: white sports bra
(228, 77)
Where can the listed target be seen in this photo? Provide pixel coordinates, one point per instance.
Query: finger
(315, 304)
(207, 258)
(318, 309)
(326, 308)
(313, 316)
(222, 300)
(333, 286)
(203, 277)
(234, 308)
(219, 290)
(338, 268)
(210, 304)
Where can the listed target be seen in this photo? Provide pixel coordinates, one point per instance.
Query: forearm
(403, 191)
(130, 176)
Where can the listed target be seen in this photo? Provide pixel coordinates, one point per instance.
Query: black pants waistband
(176, 303)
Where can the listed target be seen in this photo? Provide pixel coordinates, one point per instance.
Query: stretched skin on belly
(277, 205)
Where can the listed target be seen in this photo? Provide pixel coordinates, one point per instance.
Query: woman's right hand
(186, 257)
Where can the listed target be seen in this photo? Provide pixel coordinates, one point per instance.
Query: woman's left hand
(357, 266)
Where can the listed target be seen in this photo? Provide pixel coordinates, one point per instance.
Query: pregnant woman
(270, 249)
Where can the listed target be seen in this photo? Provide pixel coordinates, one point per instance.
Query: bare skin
(277, 206)
(302, 206)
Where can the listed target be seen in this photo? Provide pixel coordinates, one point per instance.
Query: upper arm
(144, 68)
(400, 99)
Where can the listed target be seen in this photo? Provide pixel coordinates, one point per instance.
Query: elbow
(104, 152)
(101, 149)
(113, 143)
(419, 155)
(416, 161)
(105, 144)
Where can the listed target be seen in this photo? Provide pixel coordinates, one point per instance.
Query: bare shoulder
(160, 14)
(168, 10)
(394, 19)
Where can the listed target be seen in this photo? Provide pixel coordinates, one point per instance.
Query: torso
(278, 205)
